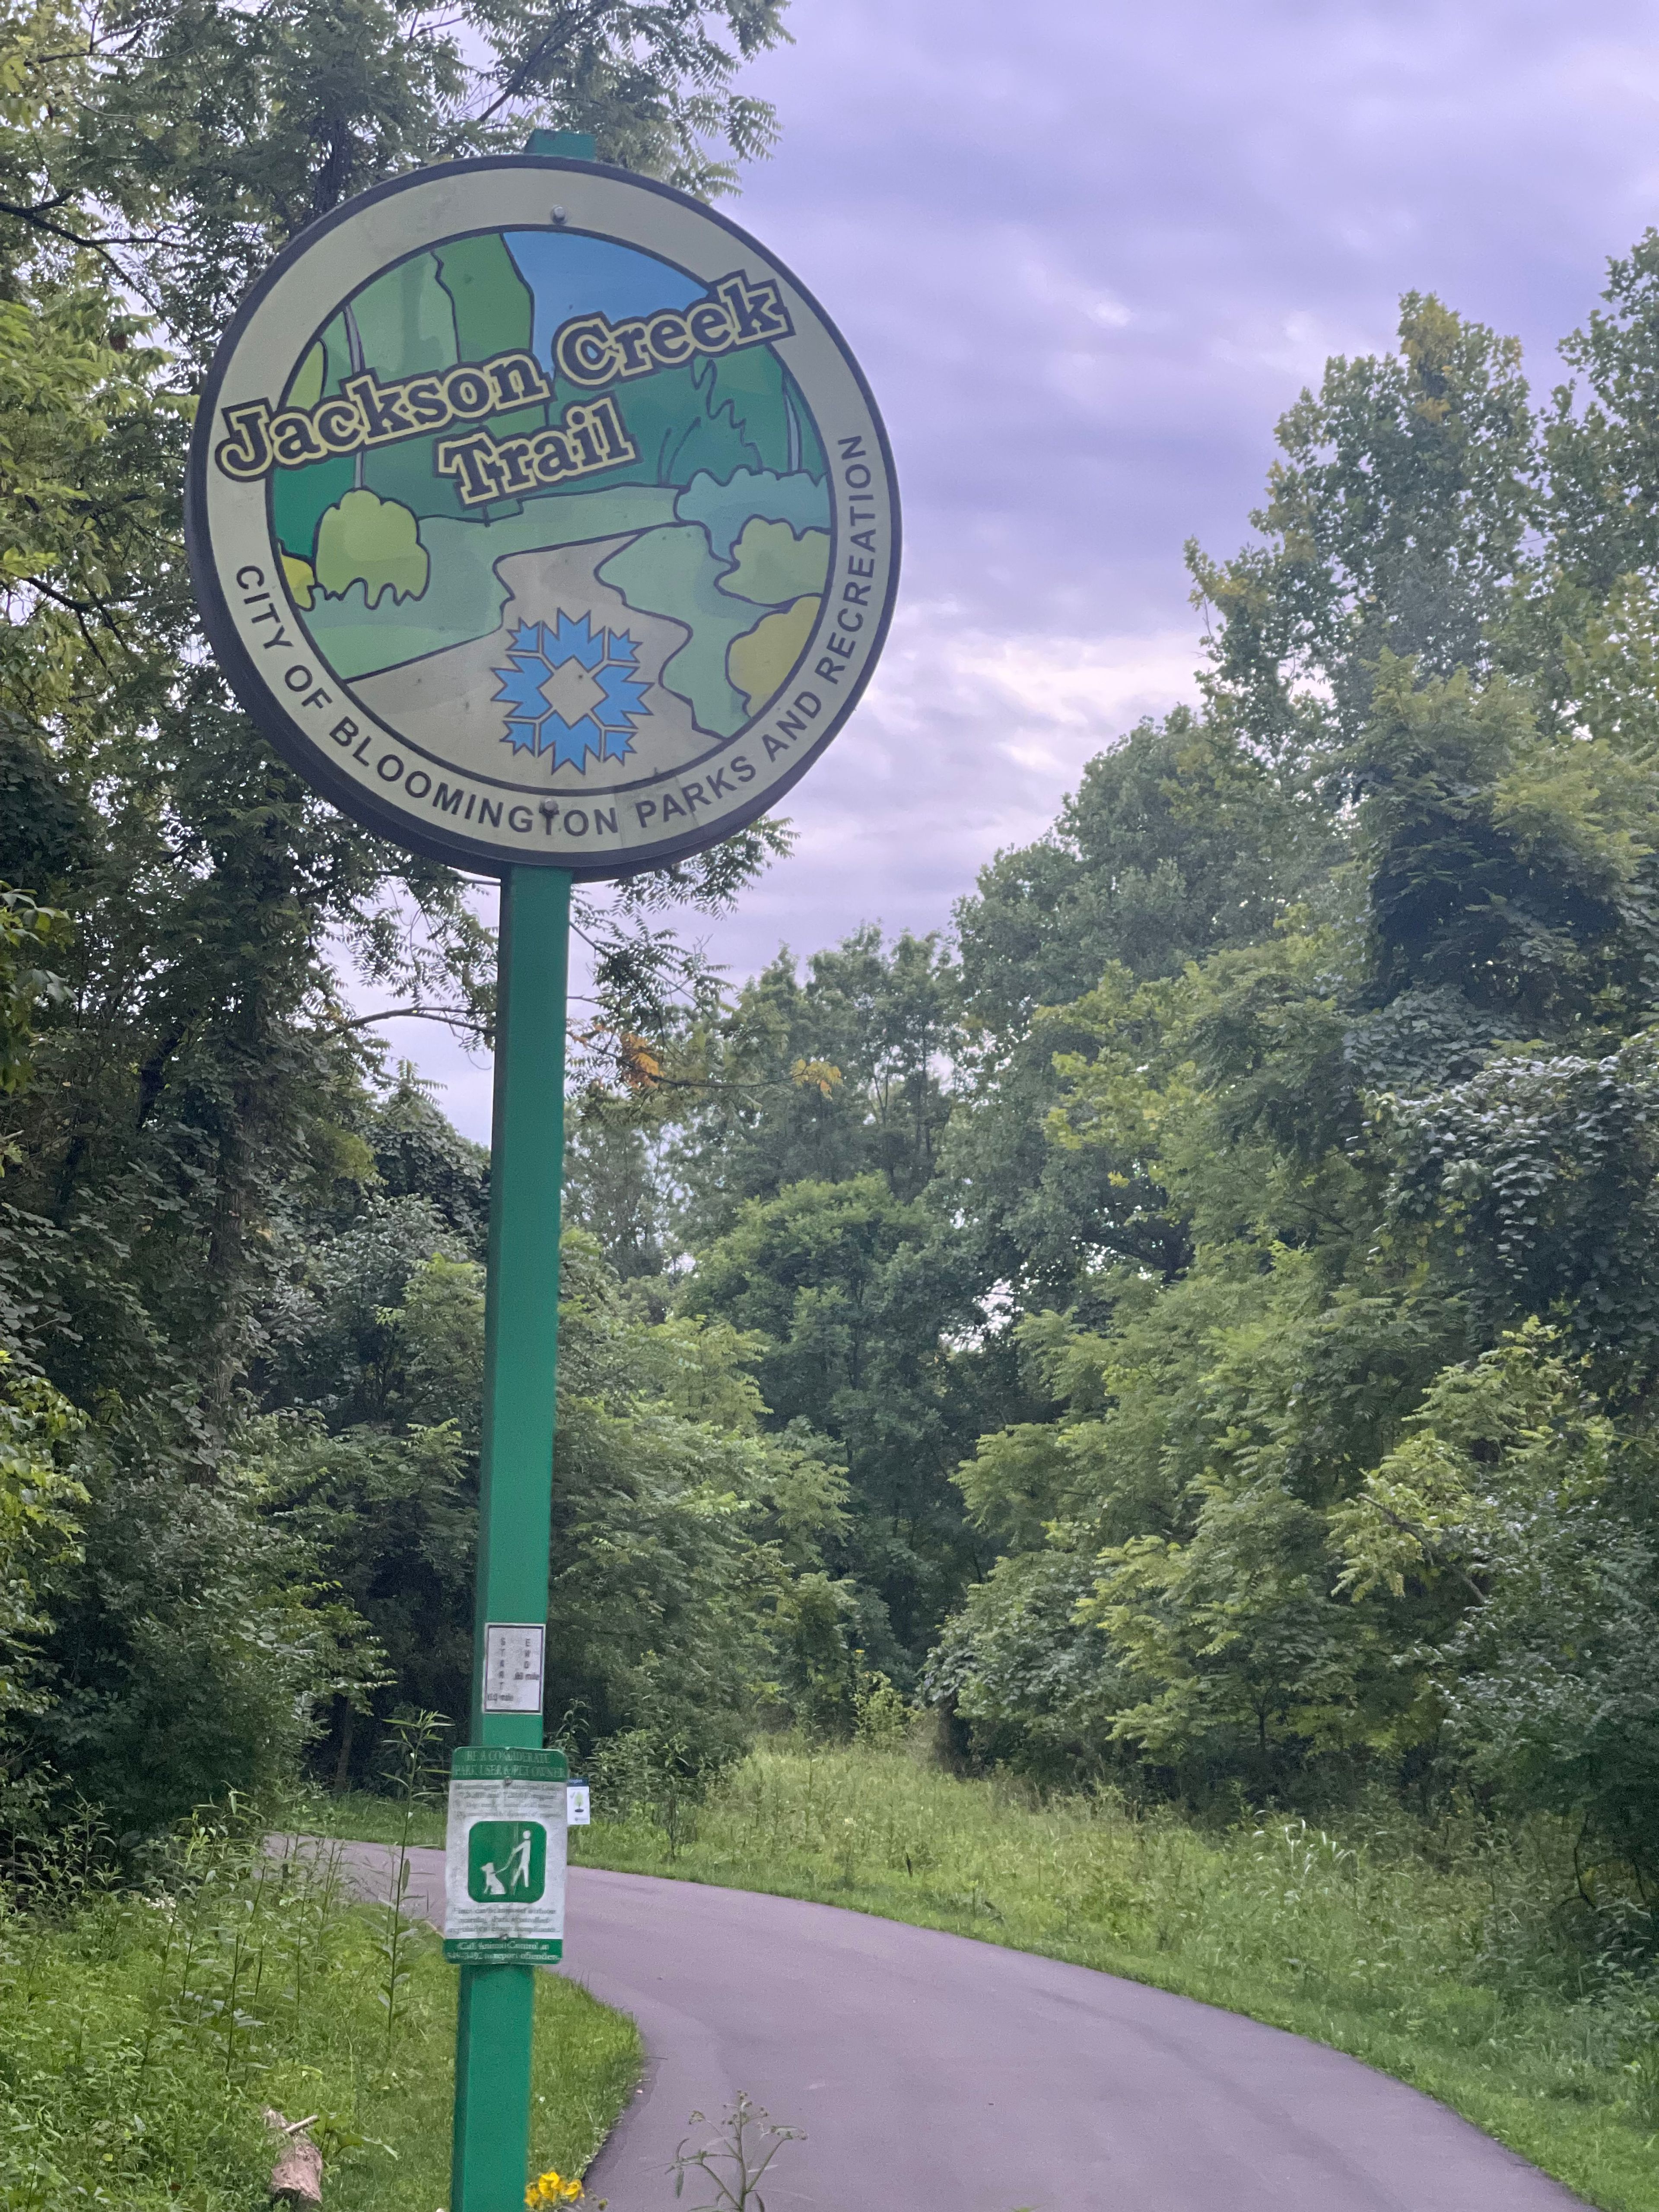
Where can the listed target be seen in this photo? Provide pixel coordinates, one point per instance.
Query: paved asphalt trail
(933, 2074)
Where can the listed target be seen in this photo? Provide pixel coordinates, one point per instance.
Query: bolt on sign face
(538, 515)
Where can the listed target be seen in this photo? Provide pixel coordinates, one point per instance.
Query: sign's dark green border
(298, 749)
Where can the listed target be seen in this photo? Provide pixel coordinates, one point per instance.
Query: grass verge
(141, 2035)
(1440, 1956)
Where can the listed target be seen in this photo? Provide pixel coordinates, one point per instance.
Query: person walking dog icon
(515, 1867)
(518, 1864)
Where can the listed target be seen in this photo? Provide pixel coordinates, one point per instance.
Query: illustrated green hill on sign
(566, 535)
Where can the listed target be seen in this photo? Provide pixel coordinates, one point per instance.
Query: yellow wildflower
(551, 2188)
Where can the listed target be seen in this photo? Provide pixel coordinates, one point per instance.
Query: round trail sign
(538, 515)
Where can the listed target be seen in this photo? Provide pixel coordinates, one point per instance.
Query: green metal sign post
(495, 2016)
(542, 520)
(493, 2031)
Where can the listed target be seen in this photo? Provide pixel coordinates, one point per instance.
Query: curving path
(934, 2074)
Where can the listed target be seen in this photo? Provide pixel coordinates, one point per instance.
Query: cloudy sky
(1088, 251)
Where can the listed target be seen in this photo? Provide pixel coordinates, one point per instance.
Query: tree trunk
(297, 2177)
(342, 1764)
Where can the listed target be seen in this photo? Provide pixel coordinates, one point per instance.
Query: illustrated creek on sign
(677, 585)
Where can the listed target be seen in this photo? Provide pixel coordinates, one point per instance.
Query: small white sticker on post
(576, 1799)
(512, 1666)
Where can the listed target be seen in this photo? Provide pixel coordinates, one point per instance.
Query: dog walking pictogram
(507, 1862)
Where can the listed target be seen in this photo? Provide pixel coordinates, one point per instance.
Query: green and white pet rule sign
(542, 519)
(504, 1858)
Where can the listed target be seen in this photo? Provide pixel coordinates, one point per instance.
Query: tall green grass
(1456, 1957)
(143, 2030)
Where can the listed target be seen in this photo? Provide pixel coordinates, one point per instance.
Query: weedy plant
(736, 2160)
(655, 1775)
(415, 1737)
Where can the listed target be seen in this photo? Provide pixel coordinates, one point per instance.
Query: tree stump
(297, 2177)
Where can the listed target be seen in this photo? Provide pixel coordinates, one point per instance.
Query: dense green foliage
(239, 1266)
(1225, 1271)
(1345, 1470)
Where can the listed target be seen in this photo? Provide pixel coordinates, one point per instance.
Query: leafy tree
(1395, 523)
(1531, 1183)
(28, 934)
(1178, 840)
(1514, 871)
(680, 1530)
(39, 1523)
(840, 1283)
(389, 1517)
(1520, 1504)
(182, 1657)
(1597, 440)
(613, 1188)
(347, 1353)
(418, 1154)
(839, 1074)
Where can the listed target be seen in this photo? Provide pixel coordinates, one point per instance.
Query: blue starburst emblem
(539, 659)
